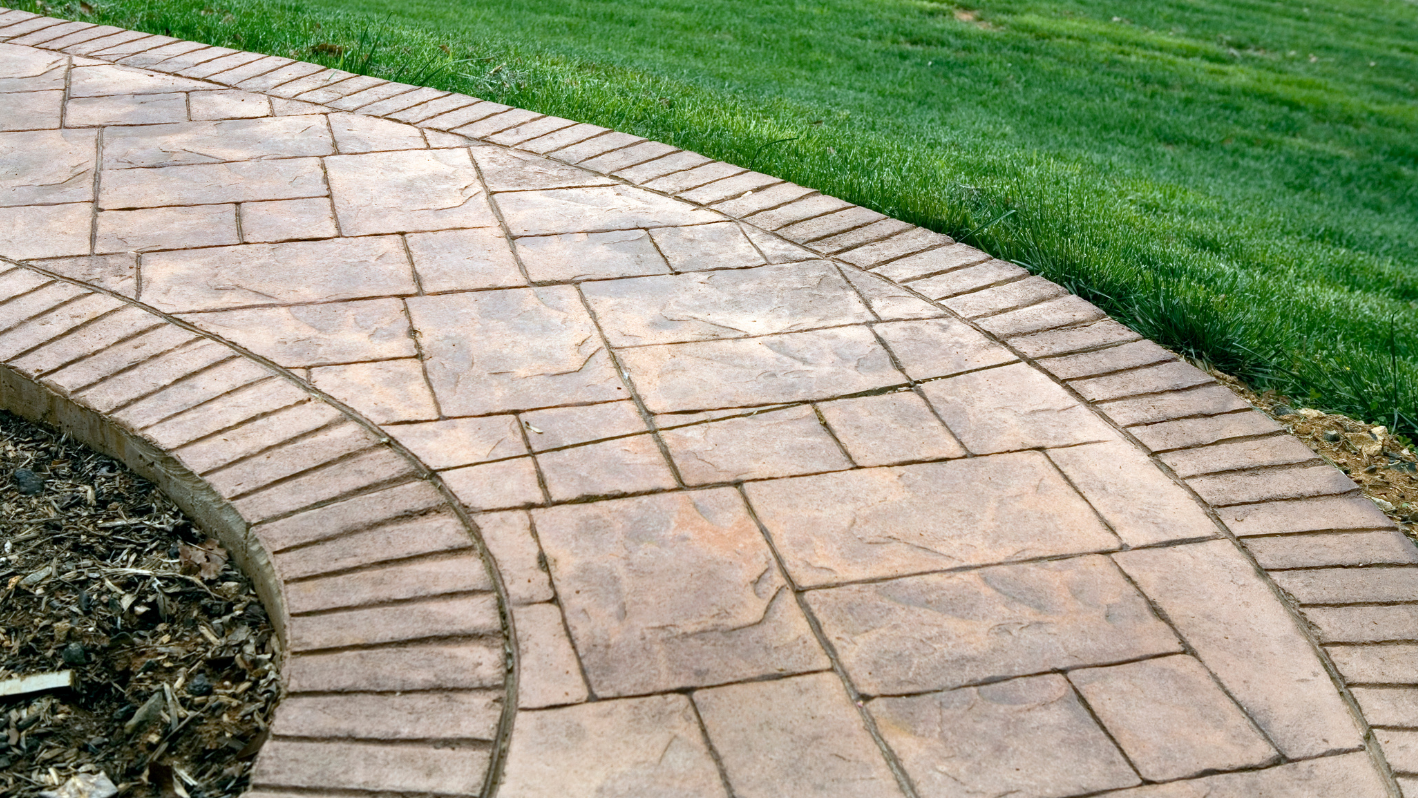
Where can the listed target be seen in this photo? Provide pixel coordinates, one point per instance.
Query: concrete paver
(761, 493)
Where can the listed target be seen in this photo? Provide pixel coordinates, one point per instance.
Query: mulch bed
(172, 653)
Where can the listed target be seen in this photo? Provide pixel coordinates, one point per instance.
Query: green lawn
(1237, 180)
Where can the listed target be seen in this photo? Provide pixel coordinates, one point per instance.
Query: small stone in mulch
(171, 656)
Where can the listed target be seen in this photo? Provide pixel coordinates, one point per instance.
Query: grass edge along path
(1200, 286)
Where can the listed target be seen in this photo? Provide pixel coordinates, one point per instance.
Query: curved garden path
(572, 464)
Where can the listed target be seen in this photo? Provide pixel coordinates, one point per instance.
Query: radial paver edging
(784, 497)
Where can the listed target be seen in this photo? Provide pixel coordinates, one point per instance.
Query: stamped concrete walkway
(573, 464)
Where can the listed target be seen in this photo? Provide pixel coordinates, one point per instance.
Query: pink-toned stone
(1388, 547)
(829, 224)
(648, 747)
(221, 448)
(282, 107)
(405, 192)
(791, 367)
(384, 90)
(509, 170)
(1025, 737)
(390, 390)
(208, 142)
(1170, 376)
(498, 485)
(1073, 339)
(106, 362)
(96, 336)
(886, 522)
(1105, 361)
(340, 765)
(1210, 592)
(659, 167)
(28, 69)
(889, 428)
(1188, 432)
(356, 133)
(959, 281)
(313, 335)
(1206, 400)
(565, 426)
(614, 467)
(455, 260)
(350, 515)
(887, 300)
(578, 210)
(773, 444)
(1348, 775)
(314, 450)
(197, 184)
(948, 630)
(1392, 664)
(674, 590)
(45, 231)
(515, 131)
(46, 167)
(369, 469)
(1350, 585)
(514, 548)
(396, 540)
(1171, 719)
(1400, 747)
(1255, 486)
(1012, 407)
(258, 398)
(627, 156)
(565, 137)
(457, 442)
(45, 327)
(432, 666)
(400, 101)
(691, 178)
(117, 273)
(775, 249)
(165, 373)
(800, 736)
(1140, 503)
(276, 274)
(135, 109)
(724, 304)
(1272, 451)
(940, 347)
(287, 220)
(550, 674)
(1388, 706)
(1364, 624)
(809, 206)
(401, 581)
(579, 256)
(875, 232)
(721, 245)
(458, 616)
(166, 228)
(990, 301)
(1305, 515)
(907, 242)
(32, 110)
(514, 349)
(415, 716)
(1064, 311)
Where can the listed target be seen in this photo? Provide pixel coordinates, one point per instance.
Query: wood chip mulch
(172, 655)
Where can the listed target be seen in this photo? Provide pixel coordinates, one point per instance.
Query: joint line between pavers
(999, 284)
(560, 607)
(412, 601)
(334, 462)
(893, 762)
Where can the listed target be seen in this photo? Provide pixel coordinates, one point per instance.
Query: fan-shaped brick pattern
(781, 496)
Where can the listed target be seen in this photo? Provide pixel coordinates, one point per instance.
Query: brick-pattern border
(1340, 563)
(394, 623)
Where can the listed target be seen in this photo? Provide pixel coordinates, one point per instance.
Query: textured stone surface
(1171, 719)
(1027, 736)
(721, 612)
(386, 262)
(886, 522)
(939, 631)
(800, 736)
(649, 747)
(1210, 589)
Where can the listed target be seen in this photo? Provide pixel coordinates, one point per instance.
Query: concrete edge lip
(1156, 402)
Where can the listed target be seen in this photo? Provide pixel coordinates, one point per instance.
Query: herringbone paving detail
(780, 496)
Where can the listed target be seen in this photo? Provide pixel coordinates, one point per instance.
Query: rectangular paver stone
(1242, 632)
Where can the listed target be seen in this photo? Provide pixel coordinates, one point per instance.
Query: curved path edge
(1340, 566)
